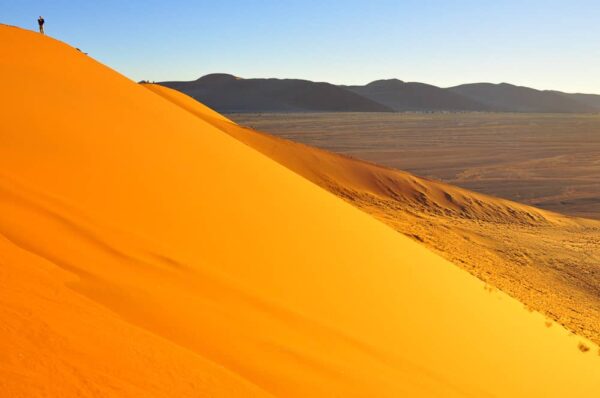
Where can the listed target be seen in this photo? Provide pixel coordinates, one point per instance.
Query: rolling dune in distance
(145, 252)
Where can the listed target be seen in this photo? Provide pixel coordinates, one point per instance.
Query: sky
(542, 44)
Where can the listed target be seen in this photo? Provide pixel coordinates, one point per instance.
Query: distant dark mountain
(227, 93)
(592, 100)
(401, 96)
(509, 98)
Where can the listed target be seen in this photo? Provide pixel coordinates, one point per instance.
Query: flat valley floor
(551, 161)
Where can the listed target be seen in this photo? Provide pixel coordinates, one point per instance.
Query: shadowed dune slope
(146, 253)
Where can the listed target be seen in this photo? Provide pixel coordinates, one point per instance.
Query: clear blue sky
(543, 44)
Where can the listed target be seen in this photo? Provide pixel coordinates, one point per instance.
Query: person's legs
(41, 29)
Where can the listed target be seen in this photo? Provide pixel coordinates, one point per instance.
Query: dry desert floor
(551, 161)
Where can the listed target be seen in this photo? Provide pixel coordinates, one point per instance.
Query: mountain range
(228, 93)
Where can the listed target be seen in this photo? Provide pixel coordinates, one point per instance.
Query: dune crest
(147, 253)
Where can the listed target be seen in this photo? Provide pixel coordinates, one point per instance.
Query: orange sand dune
(546, 260)
(146, 253)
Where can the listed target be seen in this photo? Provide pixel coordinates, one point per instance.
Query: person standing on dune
(41, 23)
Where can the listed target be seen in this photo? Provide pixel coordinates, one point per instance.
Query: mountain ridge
(506, 97)
(228, 93)
(415, 96)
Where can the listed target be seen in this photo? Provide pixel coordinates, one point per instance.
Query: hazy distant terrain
(510, 98)
(224, 92)
(402, 96)
(228, 93)
(548, 160)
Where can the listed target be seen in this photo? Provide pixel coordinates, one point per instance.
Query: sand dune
(517, 248)
(146, 253)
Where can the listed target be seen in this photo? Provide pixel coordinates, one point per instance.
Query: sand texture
(146, 252)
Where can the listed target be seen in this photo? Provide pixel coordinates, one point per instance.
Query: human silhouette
(41, 23)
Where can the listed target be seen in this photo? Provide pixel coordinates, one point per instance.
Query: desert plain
(545, 160)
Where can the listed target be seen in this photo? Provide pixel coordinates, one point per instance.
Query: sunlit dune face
(516, 248)
(146, 252)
